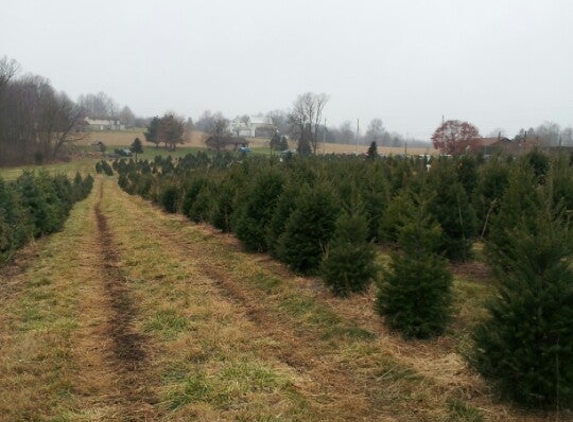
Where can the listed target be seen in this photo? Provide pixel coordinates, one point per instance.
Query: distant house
(229, 143)
(497, 145)
(255, 126)
(102, 124)
(500, 145)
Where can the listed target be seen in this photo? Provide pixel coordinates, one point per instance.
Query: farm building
(102, 124)
(254, 126)
(500, 145)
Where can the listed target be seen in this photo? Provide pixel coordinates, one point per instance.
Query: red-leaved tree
(455, 137)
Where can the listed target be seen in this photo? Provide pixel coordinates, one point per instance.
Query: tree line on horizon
(40, 124)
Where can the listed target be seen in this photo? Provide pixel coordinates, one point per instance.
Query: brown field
(131, 314)
(125, 138)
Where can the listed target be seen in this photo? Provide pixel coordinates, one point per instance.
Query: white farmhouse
(101, 124)
(254, 126)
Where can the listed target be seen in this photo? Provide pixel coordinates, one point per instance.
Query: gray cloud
(504, 63)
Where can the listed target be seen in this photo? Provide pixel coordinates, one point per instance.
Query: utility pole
(357, 133)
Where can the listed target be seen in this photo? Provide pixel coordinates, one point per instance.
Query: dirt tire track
(124, 349)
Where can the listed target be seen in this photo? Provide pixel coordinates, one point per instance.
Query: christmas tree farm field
(130, 313)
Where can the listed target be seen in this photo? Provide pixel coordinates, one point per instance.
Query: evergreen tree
(204, 203)
(170, 198)
(466, 170)
(539, 162)
(415, 296)
(375, 195)
(196, 184)
(451, 208)
(152, 134)
(393, 216)
(492, 181)
(256, 210)
(224, 204)
(136, 147)
(284, 206)
(519, 206)
(372, 151)
(309, 229)
(525, 346)
(15, 225)
(349, 263)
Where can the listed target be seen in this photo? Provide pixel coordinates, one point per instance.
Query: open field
(126, 137)
(131, 314)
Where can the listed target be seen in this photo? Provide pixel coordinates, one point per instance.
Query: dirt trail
(110, 353)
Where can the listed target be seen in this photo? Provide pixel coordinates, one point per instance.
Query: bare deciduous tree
(375, 132)
(305, 118)
(279, 118)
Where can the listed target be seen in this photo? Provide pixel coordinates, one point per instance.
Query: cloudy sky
(496, 63)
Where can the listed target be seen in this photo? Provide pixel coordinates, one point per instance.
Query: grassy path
(130, 314)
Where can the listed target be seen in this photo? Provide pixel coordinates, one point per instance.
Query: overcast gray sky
(495, 63)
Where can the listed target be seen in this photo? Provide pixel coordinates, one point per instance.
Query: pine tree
(170, 198)
(415, 296)
(136, 147)
(224, 204)
(309, 229)
(492, 181)
(519, 206)
(349, 263)
(255, 211)
(451, 208)
(372, 151)
(374, 192)
(284, 206)
(525, 346)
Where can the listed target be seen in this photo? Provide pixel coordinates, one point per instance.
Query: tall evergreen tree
(415, 296)
(525, 346)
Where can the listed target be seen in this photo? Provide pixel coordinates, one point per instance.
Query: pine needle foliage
(415, 295)
(256, 210)
(309, 229)
(349, 263)
(525, 346)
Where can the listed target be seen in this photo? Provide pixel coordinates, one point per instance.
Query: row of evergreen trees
(36, 204)
(322, 215)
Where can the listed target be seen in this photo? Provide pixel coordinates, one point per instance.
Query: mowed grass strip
(39, 325)
(209, 357)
